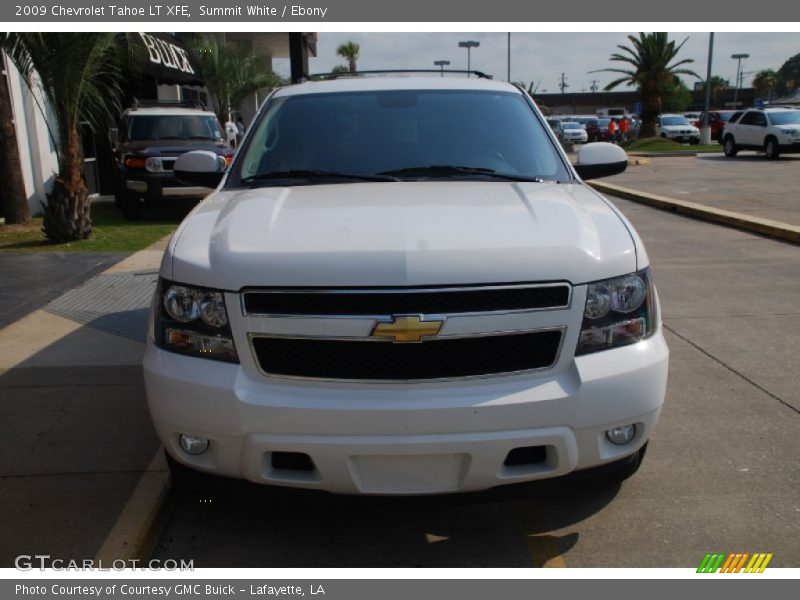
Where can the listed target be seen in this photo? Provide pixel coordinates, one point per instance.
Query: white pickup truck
(402, 286)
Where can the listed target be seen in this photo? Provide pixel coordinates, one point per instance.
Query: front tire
(771, 150)
(730, 147)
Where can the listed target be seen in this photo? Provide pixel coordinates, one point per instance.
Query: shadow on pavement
(239, 524)
(76, 438)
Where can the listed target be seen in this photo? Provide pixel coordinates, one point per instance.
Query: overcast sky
(542, 57)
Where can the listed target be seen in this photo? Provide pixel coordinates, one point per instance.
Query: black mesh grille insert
(397, 302)
(434, 359)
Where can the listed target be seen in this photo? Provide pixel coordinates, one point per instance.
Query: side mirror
(200, 167)
(600, 159)
(113, 136)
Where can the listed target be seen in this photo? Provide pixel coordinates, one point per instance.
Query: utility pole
(563, 85)
(705, 133)
(508, 78)
(594, 85)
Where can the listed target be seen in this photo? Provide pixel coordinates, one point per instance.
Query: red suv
(716, 121)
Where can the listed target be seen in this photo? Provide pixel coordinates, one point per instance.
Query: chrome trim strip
(245, 291)
(562, 329)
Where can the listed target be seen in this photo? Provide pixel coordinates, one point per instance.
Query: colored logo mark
(741, 562)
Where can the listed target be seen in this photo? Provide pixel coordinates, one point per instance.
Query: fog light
(193, 445)
(621, 435)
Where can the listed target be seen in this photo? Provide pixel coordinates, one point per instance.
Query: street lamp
(738, 58)
(441, 64)
(469, 45)
(705, 132)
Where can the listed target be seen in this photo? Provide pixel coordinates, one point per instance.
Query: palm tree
(78, 76)
(651, 58)
(229, 77)
(765, 81)
(718, 86)
(350, 51)
(15, 202)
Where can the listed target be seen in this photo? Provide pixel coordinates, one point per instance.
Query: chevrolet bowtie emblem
(408, 329)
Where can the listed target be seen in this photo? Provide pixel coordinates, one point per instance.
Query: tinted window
(789, 117)
(674, 121)
(173, 127)
(368, 133)
(753, 118)
(724, 116)
(735, 117)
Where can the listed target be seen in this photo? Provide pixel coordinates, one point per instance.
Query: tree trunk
(651, 108)
(67, 213)
(12, 191)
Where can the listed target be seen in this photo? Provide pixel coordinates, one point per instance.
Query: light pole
(705, 133)
(738, 58)
(441, 64)
(469, 45)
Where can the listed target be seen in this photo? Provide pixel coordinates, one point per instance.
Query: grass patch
(657, 144)
(110, 232)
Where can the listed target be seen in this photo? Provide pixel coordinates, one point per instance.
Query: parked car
(402, 286)
(678, 128)
(776, 131)
(597, 130)
(716, 122)
(572, 131)
(150, 137)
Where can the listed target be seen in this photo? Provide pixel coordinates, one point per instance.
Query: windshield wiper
(203, 137)
(455, 171)
(315, 175)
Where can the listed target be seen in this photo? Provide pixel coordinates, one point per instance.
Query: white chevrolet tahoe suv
(401, 286)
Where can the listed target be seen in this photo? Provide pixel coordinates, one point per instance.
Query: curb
(139, 525)
(665, 154)
(766, 227)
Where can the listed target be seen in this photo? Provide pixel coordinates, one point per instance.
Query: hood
(401, 234)
(171, 147)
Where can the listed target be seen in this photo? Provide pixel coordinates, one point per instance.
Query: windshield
(674, 121)
(405, 134)
(725, 116)
(174, 127)
(572, 126)
(789, 117)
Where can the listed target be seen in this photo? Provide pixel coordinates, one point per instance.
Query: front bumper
(154, 186)
(418, 438)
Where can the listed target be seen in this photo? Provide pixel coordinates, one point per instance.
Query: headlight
(153, 164)
(790, 132)
(618, 312)
(194, 321)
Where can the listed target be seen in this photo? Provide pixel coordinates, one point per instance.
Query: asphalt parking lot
(721, 472)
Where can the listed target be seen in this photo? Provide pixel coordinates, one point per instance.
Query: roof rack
(168, 104)
(332, 75)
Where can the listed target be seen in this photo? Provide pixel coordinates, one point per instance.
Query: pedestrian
(612, 131)
(624, 127)
(230, 132)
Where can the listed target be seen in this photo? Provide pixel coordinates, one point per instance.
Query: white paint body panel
(398, 234)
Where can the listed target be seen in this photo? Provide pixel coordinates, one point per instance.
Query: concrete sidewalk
(77, 435)
(748, 184)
